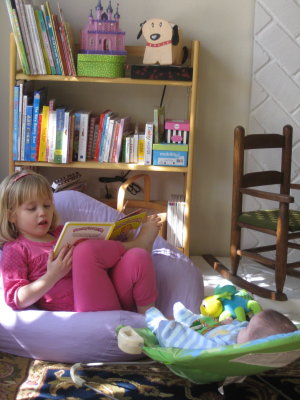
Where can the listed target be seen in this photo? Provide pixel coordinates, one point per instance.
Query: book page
(75, 231)
(126, 228)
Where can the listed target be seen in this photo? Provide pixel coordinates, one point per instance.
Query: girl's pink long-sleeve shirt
(24, 261)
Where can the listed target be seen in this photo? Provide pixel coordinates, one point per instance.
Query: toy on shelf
(177, 131)
(228, 302)
(164, 42)
(102, 47)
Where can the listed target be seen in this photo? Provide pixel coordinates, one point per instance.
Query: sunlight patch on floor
(259, 275)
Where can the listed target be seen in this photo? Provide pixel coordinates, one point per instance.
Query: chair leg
(280, 266)
(235, 245)
(281, 248)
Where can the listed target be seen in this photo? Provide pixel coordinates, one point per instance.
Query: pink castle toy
(102, 35)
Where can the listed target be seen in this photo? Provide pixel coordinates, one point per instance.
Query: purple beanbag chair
(90, 336)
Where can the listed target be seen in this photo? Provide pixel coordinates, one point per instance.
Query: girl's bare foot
(147, 235)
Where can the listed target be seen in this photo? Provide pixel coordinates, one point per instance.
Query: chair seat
(268, 219)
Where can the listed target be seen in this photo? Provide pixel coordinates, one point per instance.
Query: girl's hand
(59, 267)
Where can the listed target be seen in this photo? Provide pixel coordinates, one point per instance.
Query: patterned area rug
(25, 379)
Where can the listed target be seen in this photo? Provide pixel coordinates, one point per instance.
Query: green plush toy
(228, 302)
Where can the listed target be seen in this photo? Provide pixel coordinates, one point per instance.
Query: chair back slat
(263, 178)
(264, 141)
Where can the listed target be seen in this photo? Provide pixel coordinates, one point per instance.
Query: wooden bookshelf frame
(133, 51)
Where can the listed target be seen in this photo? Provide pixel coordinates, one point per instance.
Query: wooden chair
(282, 223)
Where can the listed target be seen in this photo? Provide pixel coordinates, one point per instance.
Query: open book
(123, 230)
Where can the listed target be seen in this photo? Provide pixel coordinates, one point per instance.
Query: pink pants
(107, 277)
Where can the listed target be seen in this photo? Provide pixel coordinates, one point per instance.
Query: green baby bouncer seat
(223, 364)
(218, 364)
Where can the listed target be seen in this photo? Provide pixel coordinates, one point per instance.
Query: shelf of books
(42, 134)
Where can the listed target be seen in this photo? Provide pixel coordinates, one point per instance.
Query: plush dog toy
(164, 42)
(228, 302)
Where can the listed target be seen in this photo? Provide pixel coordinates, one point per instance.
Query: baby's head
(16, 189)
(266, 323)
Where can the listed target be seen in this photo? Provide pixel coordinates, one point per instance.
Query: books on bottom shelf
(175, 220)
(45, 132)
(123, 229)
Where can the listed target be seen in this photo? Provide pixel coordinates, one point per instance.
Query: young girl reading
(93, 275)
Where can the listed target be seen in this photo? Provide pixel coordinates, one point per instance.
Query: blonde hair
(15, 189)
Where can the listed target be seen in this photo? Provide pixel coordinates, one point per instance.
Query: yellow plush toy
(228, 302)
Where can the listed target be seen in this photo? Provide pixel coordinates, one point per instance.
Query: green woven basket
(101, 65)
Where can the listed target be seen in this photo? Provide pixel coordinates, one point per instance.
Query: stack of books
(46, 132)
(175, 220)
(43, 39)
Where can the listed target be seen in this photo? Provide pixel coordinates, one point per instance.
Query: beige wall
(224, 28)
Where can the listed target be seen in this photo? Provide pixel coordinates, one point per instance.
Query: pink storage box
(177, 124)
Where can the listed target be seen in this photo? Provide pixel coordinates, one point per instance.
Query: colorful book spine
(116, 131)
(148, 143)
(127, 149)
(113, 156)
(38, 100)
(38, 136)
(67, 41)
(51, 38)
(65, 49)
(44, 51)
(135, 146)
(20, 118)
(51, 135)
(42, 154)
(76, 136)
(16, 122)
(104, 135)
(36, 39)
(84, 126)
(90, 140)
(96, 130)
(71, 137)
(60, 124)
(28, 129)
(46, 41)
(99, 135)
(23, 127)
(108, 141)
(124, 127)
(66, 137)
(158, 124)
(51, 15)
(141, 148)
(32, 39)
(60, 45)
(18, 37)
(20, 8)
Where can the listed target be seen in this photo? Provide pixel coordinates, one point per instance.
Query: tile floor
(291, 307)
